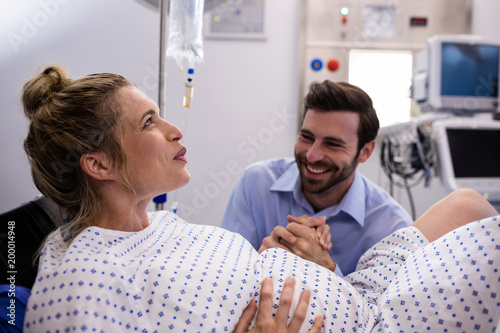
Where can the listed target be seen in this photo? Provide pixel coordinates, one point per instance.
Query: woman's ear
(97, 165)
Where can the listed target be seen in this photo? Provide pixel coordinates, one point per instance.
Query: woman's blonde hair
(70, 118)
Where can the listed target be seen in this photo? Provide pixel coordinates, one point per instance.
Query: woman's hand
(266, 322)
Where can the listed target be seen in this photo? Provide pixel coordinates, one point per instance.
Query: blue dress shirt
(268, 191)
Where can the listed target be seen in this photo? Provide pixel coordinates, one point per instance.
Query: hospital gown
(179, 277)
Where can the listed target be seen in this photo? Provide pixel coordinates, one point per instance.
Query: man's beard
(337, 175)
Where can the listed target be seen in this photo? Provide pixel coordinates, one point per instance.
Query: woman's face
(156, 161)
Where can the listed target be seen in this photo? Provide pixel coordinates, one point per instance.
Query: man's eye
(306, 137)
(333, 144)
(148, 122)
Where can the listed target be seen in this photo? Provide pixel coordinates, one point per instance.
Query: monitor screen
(458, 74)
(475, 153)
(469, 153)
(469, 69)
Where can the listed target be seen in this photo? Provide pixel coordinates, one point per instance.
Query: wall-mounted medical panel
(332, 28)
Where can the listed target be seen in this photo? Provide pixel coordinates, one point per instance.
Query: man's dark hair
(329, 96)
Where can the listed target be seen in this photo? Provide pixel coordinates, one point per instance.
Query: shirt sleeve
(337, 270)
(238, 216)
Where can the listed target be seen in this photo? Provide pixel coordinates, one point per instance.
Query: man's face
(326, 150)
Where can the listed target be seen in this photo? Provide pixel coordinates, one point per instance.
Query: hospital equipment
(457, 73)
(188, 92)
(461, 151)
(455, 83)
(469, 154)
(408, 156)
(185, 40)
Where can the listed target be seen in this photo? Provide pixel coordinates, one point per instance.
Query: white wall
(485, 18)
(245, 100)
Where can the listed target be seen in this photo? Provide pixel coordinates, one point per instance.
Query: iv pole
(163, 48)
(162, 198)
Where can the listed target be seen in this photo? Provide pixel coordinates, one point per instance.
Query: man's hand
(318, 222)
(266, 322)
(273, 240)
(307, 237)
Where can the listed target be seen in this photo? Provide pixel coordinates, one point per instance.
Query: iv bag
(185, 40)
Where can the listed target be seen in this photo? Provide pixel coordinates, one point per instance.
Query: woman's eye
(148, 122)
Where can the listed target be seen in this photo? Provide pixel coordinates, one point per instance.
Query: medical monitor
(458, 73)
(469, 153)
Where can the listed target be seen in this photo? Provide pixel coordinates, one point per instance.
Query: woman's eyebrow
(146, 114)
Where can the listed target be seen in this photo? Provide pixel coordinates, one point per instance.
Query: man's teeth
(316, 170)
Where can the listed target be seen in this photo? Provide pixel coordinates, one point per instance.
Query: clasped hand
(305, 236)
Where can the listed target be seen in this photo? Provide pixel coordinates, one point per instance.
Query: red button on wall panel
(333, 65)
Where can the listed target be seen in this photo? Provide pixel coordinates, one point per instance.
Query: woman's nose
(172, 132)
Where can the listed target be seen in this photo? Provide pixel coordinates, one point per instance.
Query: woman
(99, 149)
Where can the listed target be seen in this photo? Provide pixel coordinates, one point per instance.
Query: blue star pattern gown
(178, 277)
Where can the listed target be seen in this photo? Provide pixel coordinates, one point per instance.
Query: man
(338, 132)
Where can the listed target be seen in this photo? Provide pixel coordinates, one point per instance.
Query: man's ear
(97, 165)
(366, 151)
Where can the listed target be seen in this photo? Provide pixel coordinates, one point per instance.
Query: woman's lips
(181, 155)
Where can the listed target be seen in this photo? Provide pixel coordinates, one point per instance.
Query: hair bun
(41, 89)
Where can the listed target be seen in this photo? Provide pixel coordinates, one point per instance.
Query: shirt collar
(288, 181)
(353, 202)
